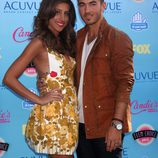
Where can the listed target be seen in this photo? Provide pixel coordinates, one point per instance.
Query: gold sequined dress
(53, 128)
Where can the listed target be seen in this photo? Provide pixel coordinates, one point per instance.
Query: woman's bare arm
(18, 67)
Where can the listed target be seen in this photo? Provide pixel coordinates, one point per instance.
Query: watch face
(119, 126)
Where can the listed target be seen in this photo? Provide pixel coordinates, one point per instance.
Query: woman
(52, 127)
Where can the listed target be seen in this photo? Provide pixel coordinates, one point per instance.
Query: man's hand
(113, 139)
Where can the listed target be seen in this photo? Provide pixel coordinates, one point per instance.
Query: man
(104, 78)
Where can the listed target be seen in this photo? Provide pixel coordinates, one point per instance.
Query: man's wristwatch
(117, 125)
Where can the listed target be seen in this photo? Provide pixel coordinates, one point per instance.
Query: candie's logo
(20, 35)
(139, 23)
(4, 116)
(148, 106)
(145, 134)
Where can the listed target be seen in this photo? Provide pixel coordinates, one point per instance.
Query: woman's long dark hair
(67, 37)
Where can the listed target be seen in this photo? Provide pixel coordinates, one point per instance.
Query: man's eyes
(81, 4)
(90, 4)
(93, 3)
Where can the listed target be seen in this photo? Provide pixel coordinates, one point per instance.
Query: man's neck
(93, 31)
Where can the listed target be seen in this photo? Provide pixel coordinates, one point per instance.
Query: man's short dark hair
(100, 1)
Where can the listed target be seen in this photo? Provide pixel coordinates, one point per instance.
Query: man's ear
(104, 5)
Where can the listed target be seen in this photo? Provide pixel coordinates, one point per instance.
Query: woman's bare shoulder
(35, 46)
(37, 42)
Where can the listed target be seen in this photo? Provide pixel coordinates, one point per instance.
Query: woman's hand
(52, 95)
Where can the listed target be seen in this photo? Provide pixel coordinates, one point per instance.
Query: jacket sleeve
(122, 66)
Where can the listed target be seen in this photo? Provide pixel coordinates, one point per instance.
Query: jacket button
(99, 106)
(106, 54)
(85, 107)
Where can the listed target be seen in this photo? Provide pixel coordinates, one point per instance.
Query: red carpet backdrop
(138, 18)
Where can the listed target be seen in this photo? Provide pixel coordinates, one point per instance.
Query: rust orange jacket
(108, 78)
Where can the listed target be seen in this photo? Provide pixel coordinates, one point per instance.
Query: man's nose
(87, 8)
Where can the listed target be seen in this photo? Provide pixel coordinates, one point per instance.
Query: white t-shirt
(85, 53)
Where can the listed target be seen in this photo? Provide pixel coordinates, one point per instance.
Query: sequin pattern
(53, 128)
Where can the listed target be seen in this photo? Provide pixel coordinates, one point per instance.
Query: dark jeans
(94, 148)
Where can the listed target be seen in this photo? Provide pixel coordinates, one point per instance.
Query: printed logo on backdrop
(155, 7)
(145, 134)
(142, 49)
(27, 104)
(3, 147)
(139, 23)
(146, 76)
(125, 152)
(30, 71)
(20, 35)
(113, 7)
(4, 116)
(3, 87)
(28, 7)
(148, 106)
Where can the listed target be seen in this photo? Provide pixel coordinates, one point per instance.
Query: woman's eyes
(59, 12)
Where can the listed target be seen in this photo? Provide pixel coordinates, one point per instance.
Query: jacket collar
(102, 28)
(81, 38)
(103, 31)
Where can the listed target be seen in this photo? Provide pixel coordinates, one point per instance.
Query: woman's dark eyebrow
(57, 9)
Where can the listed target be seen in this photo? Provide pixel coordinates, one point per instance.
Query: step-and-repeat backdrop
(138, 18)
